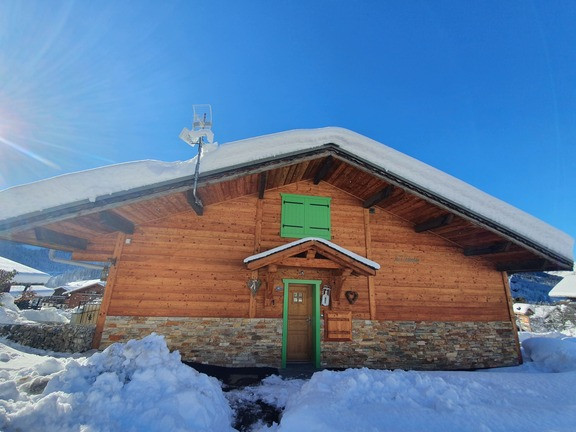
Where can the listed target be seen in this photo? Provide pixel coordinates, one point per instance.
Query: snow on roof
(101, 182)
(25, 275)
(334, 246)
(78, 285)
(39, 290)
(566, 287)
(523, 309)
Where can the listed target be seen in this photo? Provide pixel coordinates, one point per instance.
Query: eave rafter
(116, 222)
(323, 169)
(433, 223)
(495, 248)
(55, 238)
(379, 198)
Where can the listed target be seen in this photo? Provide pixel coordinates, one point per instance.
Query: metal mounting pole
(197, 171)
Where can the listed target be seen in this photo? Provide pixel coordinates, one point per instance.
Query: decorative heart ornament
(351, 296)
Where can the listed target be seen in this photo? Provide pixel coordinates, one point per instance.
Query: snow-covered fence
(52, 337)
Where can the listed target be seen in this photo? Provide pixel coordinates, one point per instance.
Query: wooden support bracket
(434, 223)
(116, 222)
(487, 249)
(339, 283)
(269, 291)
(323, 169)
(262, 180)
(52, 237)
(379, 197)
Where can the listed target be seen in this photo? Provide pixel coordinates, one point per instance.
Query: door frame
(315, 285)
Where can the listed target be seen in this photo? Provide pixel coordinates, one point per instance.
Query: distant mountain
(533, 287)
(37, 258)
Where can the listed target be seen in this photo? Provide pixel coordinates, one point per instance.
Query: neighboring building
(81, 292)
(566, 287)
(523, 313)
(318, 246)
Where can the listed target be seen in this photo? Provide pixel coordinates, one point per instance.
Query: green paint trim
(315, 318)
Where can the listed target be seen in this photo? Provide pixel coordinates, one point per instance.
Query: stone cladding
(413, 345)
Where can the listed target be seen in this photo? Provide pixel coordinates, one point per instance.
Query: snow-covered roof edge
(566, 287)
(353, 255)
(118, 180)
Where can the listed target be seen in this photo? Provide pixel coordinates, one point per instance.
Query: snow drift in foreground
(135, 386)
(141, 386)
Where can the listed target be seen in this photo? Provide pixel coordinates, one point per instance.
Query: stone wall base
(423, 345)
(375, 344)
(52, 337)
(217, 341)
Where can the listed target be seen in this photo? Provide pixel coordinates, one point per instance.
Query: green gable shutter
(292, 216)
(318, 219)
(305, 216)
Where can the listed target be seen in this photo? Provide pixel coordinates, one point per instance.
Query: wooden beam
(379, 197)
(434, 223)
(196, 204)
(269, 290)
(305, 263)
(323, 169)
(512, 315)
(110, 284)
(116, 222)
(487, 249)
(52, 237)
(371, 287)
(339, 283)
(523, 266)
(262, 180)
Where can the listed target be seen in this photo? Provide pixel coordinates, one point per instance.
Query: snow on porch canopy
(331, 250)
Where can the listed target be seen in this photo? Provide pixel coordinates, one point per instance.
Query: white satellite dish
(201, 126)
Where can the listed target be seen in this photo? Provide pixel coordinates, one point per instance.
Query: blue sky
(484, 90)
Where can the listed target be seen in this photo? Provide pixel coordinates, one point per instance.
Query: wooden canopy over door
(312, 253)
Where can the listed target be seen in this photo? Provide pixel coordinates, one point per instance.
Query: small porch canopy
(313, 252)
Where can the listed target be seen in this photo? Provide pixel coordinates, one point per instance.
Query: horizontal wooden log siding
(187, 265)
(192, 266)
(426, 278)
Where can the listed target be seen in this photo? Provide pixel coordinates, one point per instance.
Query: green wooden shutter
(305, 216)
(317, 218)
(292, 216)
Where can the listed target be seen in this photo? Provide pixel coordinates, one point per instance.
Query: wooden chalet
(318, 246)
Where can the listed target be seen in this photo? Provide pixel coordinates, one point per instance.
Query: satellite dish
(201, 126)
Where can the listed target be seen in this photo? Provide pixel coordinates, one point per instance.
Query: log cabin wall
(181, 274)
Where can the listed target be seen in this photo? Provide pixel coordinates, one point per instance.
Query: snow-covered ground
(141, 386)
(10, 314)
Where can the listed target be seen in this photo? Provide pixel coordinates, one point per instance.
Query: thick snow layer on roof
(566, 287)
(334, 246)
(25, 275)
(91, 184)
(70, 287)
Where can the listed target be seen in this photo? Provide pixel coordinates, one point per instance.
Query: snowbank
(551, 354)
(135, 386)
(48, 314)
(9, 312)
